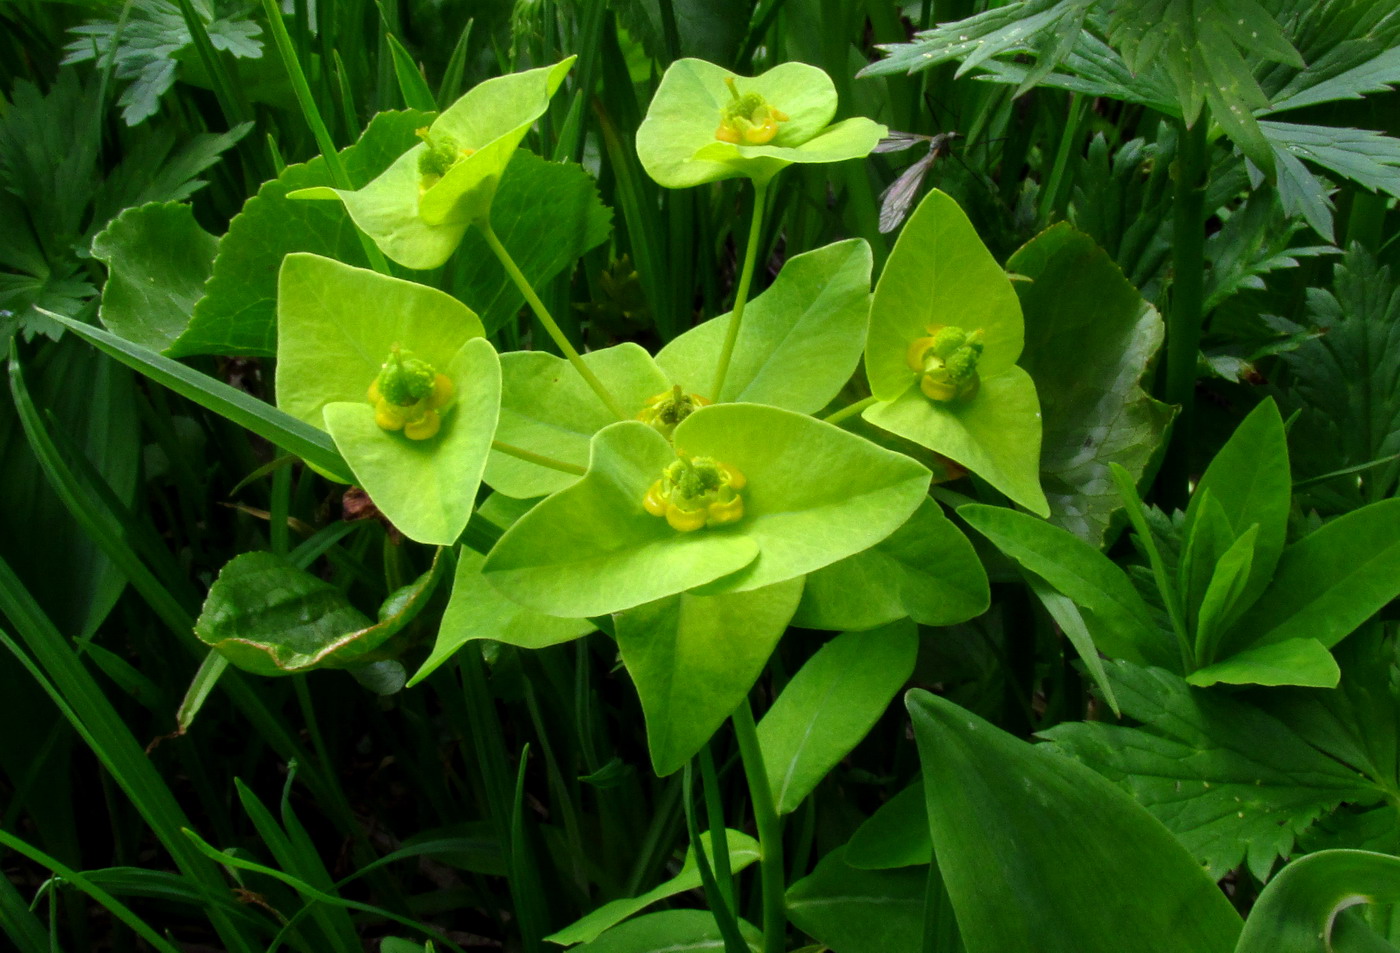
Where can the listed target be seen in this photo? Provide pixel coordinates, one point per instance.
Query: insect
(898, 197)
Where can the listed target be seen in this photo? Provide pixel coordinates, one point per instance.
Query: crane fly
(898, 197)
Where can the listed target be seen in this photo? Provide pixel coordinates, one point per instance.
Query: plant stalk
(850, 410)
(760, 200)
(546, 319)
(520, 453)
(770, 830)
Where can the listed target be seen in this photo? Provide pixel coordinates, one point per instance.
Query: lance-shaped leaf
(336, 326)
(548, 409)
(743, 851)
(677, 141)
(800, 340)
(270, 618)
(1040, 853)
(814, 494)
(417, 219)
(830, 705)
(694, 658)
(926, 570)
(1089, 339)
(896, 835)
(1232, 783)
(669, 931)
(477, 611)
(940, 274)
(1302, 909)
(860, 911)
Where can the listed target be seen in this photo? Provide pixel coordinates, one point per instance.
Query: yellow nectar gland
(946, 362)
(409, 395)
(665, 410)
(748, 120)
(696, 492)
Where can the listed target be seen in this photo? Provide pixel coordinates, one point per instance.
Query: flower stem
(760, 197)
(520, 453)
(850, 410)
(547, 320)
(770, 830)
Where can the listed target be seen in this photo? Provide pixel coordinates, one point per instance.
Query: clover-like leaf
(548, 409)
(800, 339)
(811, 494)
(270, 618)
(945, 333)
(785, 117)
(418, 210)
(337, 325)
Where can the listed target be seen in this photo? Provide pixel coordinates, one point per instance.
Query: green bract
(336, 327)
(419, 208)
(677, 141)
(813, 494)
(940, 275)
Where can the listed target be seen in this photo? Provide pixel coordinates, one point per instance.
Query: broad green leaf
(1071, 621)
(158, 260)
(830, 705)
(676, 142)
(1292, 662)
(670, 931)
(337, 325)
(926, 570)
(1298, 910)
(238, 314)
(591, 548)
(940, 273)
(270, 618)
(1232, 783)
(896, 835)
(1082, 573)
(800, 340)
(860, 911)
(477, 611)
(743, 851)
(1089, 340)
(1249, 478)
(996, 434)
(694, 658)
(548, 409)
(1081, 867)
(1329, 582)
(815, 493)
(419, 222)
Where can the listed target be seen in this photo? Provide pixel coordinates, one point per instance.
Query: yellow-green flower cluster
(697, 492)
(665, 410)
(748, 119)
(946, 362)
(409, 395)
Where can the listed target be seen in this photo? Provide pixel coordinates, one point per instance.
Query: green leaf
(830, 705)
(1293, 662)
(676, 141)
(670, 930)
(159, 259)
(1085, 868)
(1082, 573)
(591, 548)
(896, 835)
(289, 433)
(1366, 157)
(418, 221)
(238, 314)
(1231, 782)
(1090, 338)
(270, 618)
(1329, 582)
(1249, 478)
(926, 570)
(1223, 600)
(414, 87)
(995, 435)
(694, 658)
(548, 409)
(477, 611)
(939, 273)
(743, 851)
(1298, 910)
(800, 340)
(859, 911)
